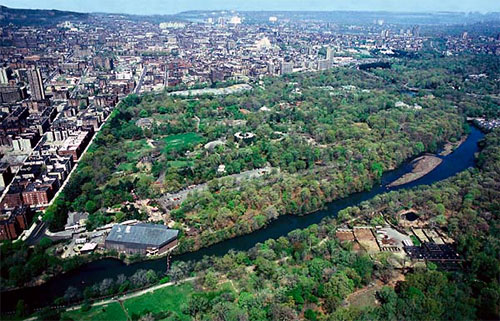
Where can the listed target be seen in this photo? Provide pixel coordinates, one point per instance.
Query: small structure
(76, 220)
(88, 248)
(221, 169)
(246, 137)
(141, 238)
(211, 145)
(144, 123)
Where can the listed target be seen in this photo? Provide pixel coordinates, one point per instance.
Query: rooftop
(145, 234)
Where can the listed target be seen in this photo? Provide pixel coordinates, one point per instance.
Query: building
(141, 239)
(36, 84)
(6, 175)
(13, 198)
(11, 94)
(329, 53)
(75, 144)
(38, 193)
(13, 221)
(5, 75)
(286, 67)
(324, 64)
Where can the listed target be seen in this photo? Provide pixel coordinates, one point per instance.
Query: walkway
(133, 294)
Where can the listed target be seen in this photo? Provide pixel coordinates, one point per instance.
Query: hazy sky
(173, 6)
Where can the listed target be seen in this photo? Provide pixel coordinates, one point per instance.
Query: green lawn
(126, 167)
(180, 163)
(181, 141)
(171, 298)
(112, 311)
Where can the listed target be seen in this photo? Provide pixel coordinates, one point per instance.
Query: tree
(90, 206)
(21, 309)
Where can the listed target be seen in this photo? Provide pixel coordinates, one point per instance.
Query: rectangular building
(36, 84)
(141, 238)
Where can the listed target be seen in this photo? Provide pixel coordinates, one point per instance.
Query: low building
(88, 248)
(141, 239)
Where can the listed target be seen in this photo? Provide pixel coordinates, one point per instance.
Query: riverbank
(449, 147)
(422, 166)
(96, 271)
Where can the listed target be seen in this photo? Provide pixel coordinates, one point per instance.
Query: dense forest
(311, 275)
(325, 136)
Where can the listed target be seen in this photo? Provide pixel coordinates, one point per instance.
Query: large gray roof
(142, 234)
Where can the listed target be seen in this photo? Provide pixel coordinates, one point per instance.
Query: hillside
(33, 17)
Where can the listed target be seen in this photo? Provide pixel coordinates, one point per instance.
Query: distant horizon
(168, 7)
(236, 11)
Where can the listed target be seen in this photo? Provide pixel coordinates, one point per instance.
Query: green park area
(111, 311)
(181, 141)
(169, 301)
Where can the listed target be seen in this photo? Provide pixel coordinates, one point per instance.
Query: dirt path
(124, 310)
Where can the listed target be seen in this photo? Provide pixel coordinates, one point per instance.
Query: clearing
(180, 141)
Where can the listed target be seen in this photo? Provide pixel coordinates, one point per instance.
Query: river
(96, 271)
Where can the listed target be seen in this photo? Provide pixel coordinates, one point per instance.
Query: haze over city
(170, 6)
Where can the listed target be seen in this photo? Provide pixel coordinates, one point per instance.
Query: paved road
(37, 234)
(139, 84)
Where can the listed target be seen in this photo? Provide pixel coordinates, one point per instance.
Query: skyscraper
(36, 84)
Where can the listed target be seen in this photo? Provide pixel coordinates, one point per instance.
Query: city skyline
(149, 7)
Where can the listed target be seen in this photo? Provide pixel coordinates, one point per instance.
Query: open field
(364, 297)
(166, 299)
(176, 142)
(171, 298)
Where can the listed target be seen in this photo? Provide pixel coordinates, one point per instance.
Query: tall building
(36, 84)
(4, 77)
(329, 53)
(286, 67)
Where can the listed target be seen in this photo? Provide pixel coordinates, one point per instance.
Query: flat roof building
(141, 238)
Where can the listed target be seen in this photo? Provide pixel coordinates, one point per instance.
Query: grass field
(181, 141)
(171, 298)
(180, 163)
(112, 311)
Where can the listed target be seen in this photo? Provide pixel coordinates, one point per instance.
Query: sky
(174, 6)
